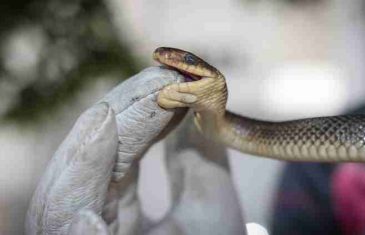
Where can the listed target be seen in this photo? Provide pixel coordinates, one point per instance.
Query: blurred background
(283, 59)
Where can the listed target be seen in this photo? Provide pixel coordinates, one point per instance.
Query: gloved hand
(103, 143)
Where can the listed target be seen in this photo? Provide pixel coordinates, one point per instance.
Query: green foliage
(81, 30)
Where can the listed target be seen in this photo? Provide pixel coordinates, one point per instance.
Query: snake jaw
(190, 77)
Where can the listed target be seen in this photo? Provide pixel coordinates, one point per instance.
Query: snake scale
(321, 139)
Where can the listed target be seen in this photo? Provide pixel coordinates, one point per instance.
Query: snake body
(321, 139)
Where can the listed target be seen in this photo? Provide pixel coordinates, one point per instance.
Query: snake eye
(190, 59)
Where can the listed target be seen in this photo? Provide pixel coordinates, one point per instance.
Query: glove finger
(148, 81)
(78, 175)
(139, 118)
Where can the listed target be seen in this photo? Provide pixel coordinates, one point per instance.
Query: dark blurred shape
(358, 110)
(70, 43)
(303, 203)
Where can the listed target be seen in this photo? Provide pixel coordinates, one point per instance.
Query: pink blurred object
(348, 193)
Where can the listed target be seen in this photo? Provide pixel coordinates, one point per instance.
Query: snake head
(185, 62)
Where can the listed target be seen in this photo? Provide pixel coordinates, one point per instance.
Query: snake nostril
(159, 52)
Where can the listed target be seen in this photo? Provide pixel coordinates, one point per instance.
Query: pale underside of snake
(321, 139)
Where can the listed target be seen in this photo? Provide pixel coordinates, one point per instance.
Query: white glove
(110, 134)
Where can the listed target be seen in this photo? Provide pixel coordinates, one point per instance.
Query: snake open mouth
(189, 77)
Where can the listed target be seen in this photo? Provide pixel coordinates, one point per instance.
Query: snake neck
(232, 130)
(210, 109)
(237, 132)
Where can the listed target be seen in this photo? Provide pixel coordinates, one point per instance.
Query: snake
(318, 139)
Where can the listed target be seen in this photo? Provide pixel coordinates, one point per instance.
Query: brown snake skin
(322, 139)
